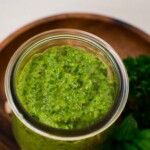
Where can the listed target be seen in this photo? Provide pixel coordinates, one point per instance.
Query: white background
(17, 13)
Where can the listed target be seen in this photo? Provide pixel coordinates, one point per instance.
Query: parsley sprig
(139, 95)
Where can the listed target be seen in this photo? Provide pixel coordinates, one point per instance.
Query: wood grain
(124, 38)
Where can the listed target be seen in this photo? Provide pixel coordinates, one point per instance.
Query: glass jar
(33, 135)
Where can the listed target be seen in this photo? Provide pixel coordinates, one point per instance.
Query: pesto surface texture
(65, 87)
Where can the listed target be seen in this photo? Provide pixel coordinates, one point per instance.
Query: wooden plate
(124, 38)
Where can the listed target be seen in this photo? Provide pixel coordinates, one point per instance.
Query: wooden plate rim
(33, 24)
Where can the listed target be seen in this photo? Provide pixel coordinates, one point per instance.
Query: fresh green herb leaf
(127, 130)
(144, 134)
(139, 95)
(129, 146)
(127, 136)
(143, 144)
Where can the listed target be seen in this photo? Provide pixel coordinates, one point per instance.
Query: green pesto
(65, 87)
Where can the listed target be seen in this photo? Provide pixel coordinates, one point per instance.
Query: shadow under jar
(34, 135)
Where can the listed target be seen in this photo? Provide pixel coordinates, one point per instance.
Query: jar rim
(75, 134)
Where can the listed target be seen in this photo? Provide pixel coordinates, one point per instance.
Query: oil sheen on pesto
(65, 87)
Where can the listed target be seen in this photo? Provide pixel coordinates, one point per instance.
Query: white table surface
(17, 13)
